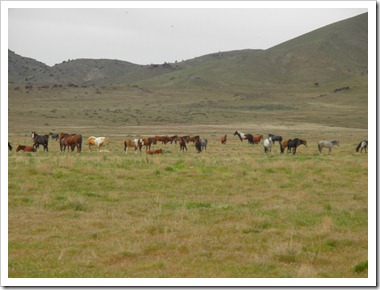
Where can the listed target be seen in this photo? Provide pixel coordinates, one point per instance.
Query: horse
(163, 139)
(283, 145)
(362, 145)
(157, 151)
(97, 141)
(61, 137)
(294, 143)
(147, 142)
(275, 138)
(131, 143)
(54, 136)
(182, 144)
(191, 139)
(223, 139)
(249, 137)
(172, 138)
(257, 139)
(203, 144)
(267, 143)
(241, 135)
(25, 148)
(73, 141)
(40, 140)
(9, 146)
(200, 144)
(327, 144)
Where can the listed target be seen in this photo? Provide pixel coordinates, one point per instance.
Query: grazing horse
(97, 141)
(294, 143)
(131, 143)
(362, 145)
(54, 136)
(223, 139)
(275, 138)
(241, 135)
(327, 144)
(147, 142)
(9, 146)
(157, 151)
(182, 144)
(25, 148)
(268, 145)
(73, 141)
(40, 140)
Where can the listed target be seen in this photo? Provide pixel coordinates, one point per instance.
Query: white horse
(268, 145)
(241, 135)
(327, 144)
(97, 141)
(362, 145)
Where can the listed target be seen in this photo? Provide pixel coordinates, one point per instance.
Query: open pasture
(232, 211)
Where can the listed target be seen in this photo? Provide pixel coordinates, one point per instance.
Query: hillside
(334, 53)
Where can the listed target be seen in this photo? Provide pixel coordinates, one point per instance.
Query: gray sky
(147, 35)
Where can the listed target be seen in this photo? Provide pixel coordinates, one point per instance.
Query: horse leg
(330, 150)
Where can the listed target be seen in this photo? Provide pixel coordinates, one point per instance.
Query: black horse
(9, 146)
(294, 143)
(275, 138)
(54, 136)
(249, 137)
(40, 140)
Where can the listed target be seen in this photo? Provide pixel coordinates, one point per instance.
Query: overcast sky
(147, 35)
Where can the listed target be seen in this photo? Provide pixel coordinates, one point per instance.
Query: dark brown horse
(25, 148)
(182, 144)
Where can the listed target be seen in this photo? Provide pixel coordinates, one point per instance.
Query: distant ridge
(333, 53)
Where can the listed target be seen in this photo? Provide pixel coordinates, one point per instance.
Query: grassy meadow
(231, 211)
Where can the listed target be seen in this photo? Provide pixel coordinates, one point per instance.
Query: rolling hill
(333, 54)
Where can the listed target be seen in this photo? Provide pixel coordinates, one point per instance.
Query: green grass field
(229, 212)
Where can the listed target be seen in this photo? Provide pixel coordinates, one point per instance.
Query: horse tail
(320, 148)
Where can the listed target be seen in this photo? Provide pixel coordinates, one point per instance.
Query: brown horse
(61, 137)
(182, 144)
(157, 151)
(25, 148)
(257, 138)
(132, 143)
(223, 139)
(147, 142)
(163, 139)
(73, 141)
(191, 139)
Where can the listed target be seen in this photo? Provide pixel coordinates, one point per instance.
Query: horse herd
(72, 141)
(291, 144)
